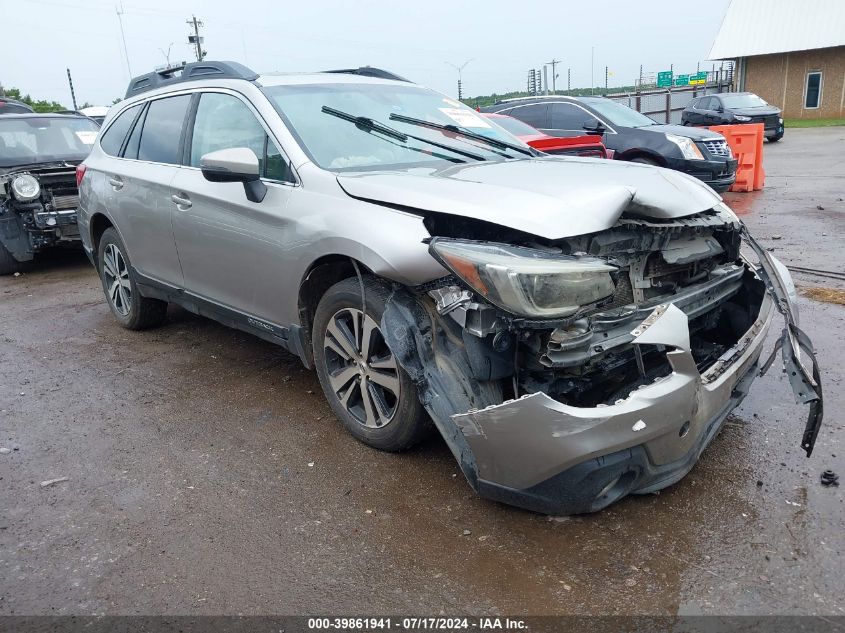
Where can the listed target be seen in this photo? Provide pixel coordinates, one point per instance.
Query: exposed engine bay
(587, 359)
(38, 209)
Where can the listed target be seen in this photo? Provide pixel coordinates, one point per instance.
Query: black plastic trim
(189, 72)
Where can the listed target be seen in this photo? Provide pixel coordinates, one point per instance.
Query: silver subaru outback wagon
(577, 329)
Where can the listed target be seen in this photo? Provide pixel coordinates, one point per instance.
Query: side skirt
(291, 338)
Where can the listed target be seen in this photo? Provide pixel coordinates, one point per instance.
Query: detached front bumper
(548, 457)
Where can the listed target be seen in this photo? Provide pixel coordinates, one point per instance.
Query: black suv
(38, 189)
(731, 108)
(11, 106)
(631, 135)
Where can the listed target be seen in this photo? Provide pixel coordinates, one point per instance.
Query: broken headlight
(525, 281)
(26, 187)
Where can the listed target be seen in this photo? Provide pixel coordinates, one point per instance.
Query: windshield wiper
(454, 129)
(369, 125)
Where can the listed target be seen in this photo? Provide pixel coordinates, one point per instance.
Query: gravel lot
(207, 475)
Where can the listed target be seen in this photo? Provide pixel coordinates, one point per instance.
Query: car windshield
(32, 140)
(336, 144)
(515, 126)
(742, 101)
(619, 114)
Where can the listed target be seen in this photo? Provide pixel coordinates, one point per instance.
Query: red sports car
(588, 145)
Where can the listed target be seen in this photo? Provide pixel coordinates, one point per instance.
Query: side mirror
(235, 164)
(593, 125)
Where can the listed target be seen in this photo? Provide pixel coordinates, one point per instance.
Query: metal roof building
(790, 52)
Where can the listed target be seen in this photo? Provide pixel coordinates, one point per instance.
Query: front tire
(131, 310)
(8, 264)
(645, 161)
(364, 384)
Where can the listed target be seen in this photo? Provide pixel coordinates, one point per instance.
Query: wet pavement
(206, 473)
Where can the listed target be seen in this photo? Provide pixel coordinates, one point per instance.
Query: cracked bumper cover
(550, 457)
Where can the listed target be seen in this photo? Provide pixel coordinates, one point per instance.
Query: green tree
(41, 105)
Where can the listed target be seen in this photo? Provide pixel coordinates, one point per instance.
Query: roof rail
(370, 71)
(189, 72)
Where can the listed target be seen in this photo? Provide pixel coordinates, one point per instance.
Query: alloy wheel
(116, 276)
(361, 369)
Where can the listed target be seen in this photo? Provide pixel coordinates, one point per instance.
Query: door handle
(116, 182)
(182, 201)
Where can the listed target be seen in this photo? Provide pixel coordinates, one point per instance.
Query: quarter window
(112, 139)
(162, 131)
(813, 92)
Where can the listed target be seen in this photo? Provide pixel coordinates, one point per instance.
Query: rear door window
(112, 139)
(565, 116)
(534, 115)
(162, 131)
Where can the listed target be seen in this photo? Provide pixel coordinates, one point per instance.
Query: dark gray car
(38, 193)
(576, 330)
(735, 108)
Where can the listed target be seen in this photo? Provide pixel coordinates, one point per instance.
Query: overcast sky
(415, 39)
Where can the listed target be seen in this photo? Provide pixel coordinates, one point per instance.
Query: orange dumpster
(746, 143)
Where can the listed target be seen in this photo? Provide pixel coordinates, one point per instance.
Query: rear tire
(131, 310)
(361, 378)
(8, 264)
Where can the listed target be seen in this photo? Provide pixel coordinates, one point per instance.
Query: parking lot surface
(207, 475)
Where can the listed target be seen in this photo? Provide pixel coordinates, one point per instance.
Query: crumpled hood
(551, 197)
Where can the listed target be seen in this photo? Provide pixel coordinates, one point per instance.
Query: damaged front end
(38, 209)
(567, 374)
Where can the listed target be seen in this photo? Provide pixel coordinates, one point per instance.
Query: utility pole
(546, 78)
(553, 63)
(460, 70)
(72, 93)
(568, 79)
(123, 37)
(592, 77)
(605, 79)
(195, 39)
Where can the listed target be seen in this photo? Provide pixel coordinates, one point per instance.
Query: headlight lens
(26, 187)
(739, 117)
(780, 121)
(525, 281)
(688, 148)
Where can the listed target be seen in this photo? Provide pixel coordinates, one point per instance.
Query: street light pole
(459, 69)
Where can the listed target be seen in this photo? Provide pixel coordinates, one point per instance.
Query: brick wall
(781, 80)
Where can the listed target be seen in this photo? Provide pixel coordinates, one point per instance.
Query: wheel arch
(642, 153)
(98, 224)
(321, 274)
